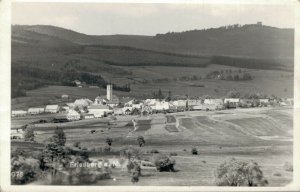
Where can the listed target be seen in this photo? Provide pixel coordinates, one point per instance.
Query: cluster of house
(111, 104)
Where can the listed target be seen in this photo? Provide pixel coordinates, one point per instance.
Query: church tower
(109, 90)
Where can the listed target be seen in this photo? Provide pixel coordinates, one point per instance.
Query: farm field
(217, 135)
(268, 81)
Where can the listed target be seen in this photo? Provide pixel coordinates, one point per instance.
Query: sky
(147, 19)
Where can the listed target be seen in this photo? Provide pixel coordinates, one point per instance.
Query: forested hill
(253, 41)
(248, 41)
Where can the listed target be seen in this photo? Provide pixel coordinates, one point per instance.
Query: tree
(194, 151)
(59, 137)
(77, 109)
(28, 133)
(141, 141)
(159, 94)
(130, 152)
(239, 173)
(85, 108)
(164, 163)
(109, 141)
(55, 155)
(233, 94)
(169, 98)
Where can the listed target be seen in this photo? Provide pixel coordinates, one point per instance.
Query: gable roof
(98, 107)
(52, 107)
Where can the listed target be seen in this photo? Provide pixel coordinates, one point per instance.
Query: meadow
(217, 135)
(264, 81)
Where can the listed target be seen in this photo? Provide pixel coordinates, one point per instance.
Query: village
(110, 104)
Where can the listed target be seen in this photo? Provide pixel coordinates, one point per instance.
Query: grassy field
(265, 81)
(216, 135)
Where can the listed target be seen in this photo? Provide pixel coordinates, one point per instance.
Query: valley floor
(264, 135)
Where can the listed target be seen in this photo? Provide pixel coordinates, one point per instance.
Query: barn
(35, 110)
(18, 113)
(99, 110)
(52, 109)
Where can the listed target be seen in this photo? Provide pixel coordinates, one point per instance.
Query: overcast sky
(147, 19)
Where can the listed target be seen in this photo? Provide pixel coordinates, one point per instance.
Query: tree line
(28, 78)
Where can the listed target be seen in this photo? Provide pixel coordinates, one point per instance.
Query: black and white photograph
(152, 94)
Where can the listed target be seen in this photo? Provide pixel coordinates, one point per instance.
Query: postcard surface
(152, 94)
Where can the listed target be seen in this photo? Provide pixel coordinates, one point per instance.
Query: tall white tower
(109, 90)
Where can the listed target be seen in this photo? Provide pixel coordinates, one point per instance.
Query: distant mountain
(253, 41)
(245, 41)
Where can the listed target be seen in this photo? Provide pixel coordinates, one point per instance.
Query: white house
(65, 97)
(232, 100)
(16, 133)
(73, 115)
(213, 101)
(127, 110)
(34, 111)
(18, 113)
(81, 103)
(99, 110)
(99, 100)
(78, 83)
(137, 105)
(264, 100)
(118, 111)
(180, 103)
(194, 102)
(150, 101)
(112, 103)
(160, 105)
(51, 109)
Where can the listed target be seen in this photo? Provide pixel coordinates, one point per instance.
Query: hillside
(47, 55)
(243, 41)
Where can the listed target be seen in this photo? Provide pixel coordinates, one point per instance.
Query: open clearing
(249, 134)
(264, 81)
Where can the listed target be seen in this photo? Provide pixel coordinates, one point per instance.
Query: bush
(164, 163)
(141, 141)
(28, 133)
(109, 141)
(173, 154)
(194, 151)
(130, 152)
(24, 169)
(239, 173)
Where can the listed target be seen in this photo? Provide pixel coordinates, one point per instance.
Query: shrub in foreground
(164, 163)
(239, 173)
